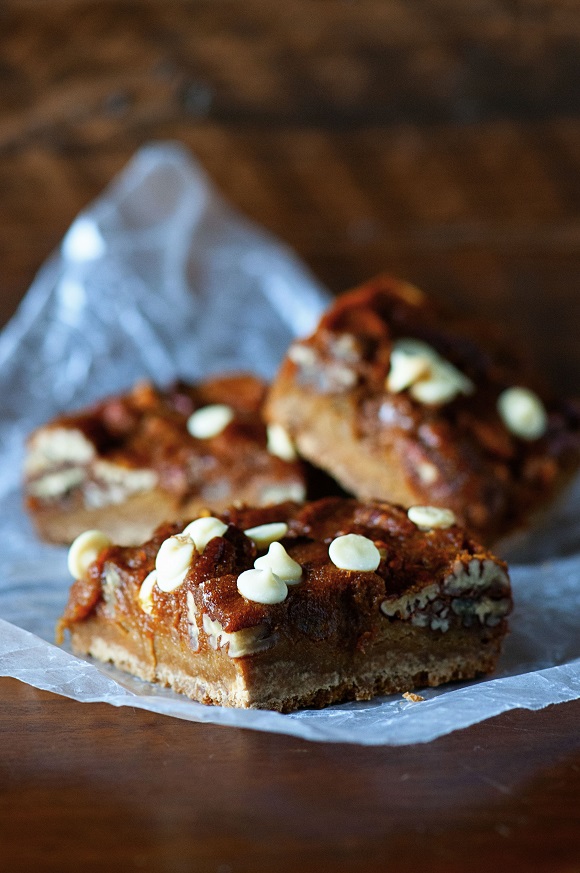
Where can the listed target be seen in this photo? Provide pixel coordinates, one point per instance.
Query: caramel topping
(296, 584)
(187, 440)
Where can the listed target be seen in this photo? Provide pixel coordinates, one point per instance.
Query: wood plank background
(439, 140)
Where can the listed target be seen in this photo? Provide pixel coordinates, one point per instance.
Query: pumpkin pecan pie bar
(398, 401)
(288, 606)
(132, 461)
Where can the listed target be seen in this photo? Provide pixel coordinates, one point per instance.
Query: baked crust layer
(130, 462)
(434, 610)
(335, 396)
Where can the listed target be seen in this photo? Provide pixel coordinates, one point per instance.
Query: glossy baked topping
(435, 579)
(207, 438)
(469, 431)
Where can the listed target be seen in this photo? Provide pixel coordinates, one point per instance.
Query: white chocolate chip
(415, 348)
(430, 378)
(265, 534)
(428, 472)
(145, 592)
(523, 413)
(84, 550)
(173, 562)
(202, 530)
(445, 382)
(354, 552)
(209, 421)
(405, 370)
(280, 444)
(431, 517)
(262, 586)
(433, 392)
(279, 562)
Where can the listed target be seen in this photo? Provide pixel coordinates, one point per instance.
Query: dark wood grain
(438, 140)
(136, 791)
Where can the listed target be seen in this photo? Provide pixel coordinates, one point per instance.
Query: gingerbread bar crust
(129, 462)
(434, 610)
(334, 397)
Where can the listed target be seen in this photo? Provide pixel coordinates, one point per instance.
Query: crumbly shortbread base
(295, 673)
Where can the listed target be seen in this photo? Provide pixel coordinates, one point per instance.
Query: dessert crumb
(414, 698)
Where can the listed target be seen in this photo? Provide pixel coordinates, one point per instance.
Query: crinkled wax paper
(160, 278)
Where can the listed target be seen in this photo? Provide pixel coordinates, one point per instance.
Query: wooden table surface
(437, 140)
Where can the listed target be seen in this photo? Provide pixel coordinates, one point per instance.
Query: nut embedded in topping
(52, 485)
(56, 445)
(173, 562)
(264, 534)
(145, 592)
(354, 552)
(475, 576)
(280, 444)
(204, 529)
(412, 604)
(113, 483)
(262, 586)
(431, 517)
(84, 550)
(282, 565)
(209, 421)
(523, 413)
(248, 641)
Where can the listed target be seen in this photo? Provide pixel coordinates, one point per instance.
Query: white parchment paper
(159, 278)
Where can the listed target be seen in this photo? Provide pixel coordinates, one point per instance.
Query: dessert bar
(288, 606)
(132, 461)
(398, 401)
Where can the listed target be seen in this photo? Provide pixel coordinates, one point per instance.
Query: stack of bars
(270, 600)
